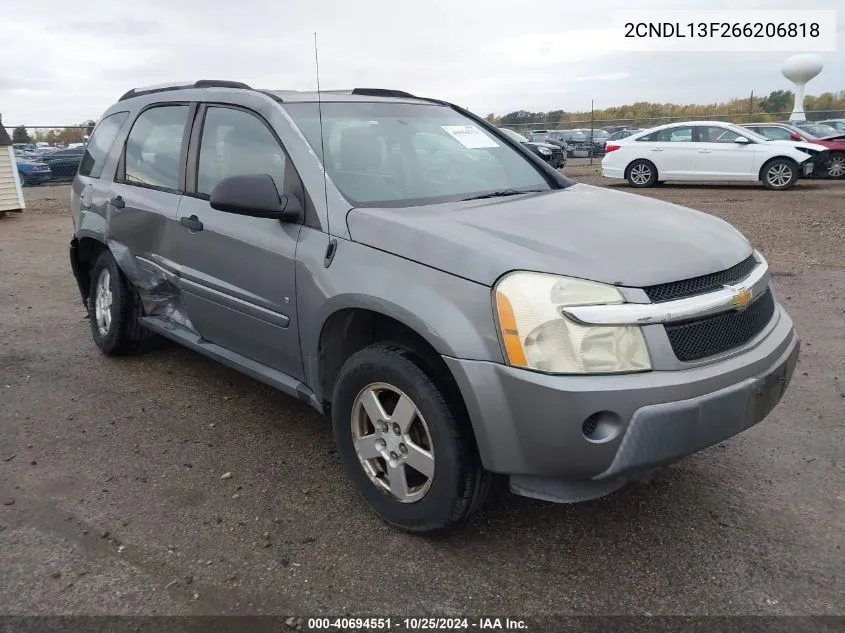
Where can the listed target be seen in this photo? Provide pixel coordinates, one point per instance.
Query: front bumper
(537, 425)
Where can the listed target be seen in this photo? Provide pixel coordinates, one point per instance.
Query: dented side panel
(143, 238)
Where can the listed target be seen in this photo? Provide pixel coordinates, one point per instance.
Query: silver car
(463, 313)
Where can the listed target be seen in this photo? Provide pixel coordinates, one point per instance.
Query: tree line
(71, 134)
(771, 107)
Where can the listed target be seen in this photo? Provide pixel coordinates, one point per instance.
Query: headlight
(545, 151)
(536, 335)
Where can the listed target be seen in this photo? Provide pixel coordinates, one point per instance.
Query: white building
(11, 194)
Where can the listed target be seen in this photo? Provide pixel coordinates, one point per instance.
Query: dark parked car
(32, 172)
(578, 145)
(552, 153)
(834, 167)
(620, 134)
(64, 162)
(595, 140)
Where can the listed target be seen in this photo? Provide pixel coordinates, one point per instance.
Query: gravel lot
(113, 501)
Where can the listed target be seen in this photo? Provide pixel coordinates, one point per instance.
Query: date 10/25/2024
(494, 624)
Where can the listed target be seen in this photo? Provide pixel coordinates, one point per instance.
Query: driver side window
(237, 143)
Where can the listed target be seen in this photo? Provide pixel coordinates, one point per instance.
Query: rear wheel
(641, 173)
(779, 174)
(113, 310)
(404, 440)
(836, 165)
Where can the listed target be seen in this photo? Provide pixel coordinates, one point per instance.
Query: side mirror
(795, 136)
(255, 195)
(741, 140)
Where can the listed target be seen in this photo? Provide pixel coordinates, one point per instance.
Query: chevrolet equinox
(464, 313)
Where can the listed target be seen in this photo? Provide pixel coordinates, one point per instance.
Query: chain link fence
(48, 154)
(594, 131)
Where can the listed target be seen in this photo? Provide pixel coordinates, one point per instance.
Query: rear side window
(100, 144)
(154, 147)
(776, 133)
(670, 135)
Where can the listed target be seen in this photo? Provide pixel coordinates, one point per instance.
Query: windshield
(401, 154)
(818, 130)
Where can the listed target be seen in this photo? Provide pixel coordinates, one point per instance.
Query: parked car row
(40, 165)
(552, 153)
(714, 150)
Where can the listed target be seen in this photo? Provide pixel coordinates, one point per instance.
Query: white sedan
(708, 150)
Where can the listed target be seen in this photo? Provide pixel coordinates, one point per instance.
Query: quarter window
(716, 134)
(154, 147)
(236, 143)
(100, 143)
(670, 135)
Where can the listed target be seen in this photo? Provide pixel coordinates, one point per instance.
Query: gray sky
(63, 62)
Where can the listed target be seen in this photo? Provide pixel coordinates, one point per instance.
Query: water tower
(800, 69)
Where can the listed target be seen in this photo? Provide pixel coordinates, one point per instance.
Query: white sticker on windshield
(469, 136)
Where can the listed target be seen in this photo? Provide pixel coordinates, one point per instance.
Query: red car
(835, 166)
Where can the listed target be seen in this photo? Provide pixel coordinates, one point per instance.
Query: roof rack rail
(383, 92)
(202, 83)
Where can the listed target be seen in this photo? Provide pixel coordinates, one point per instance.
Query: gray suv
(465, 314)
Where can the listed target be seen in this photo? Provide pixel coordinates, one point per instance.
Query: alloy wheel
(103, 302)
(779, 175)
(836, 167)
(640, 174)
(393, 442)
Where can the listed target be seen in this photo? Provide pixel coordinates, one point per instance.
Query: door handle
(118, 202)
(705, 151)
(656, 149)
(193, 223)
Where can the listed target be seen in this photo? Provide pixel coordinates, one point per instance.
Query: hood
(582, 231)
(831, 142)
(550, 146)
(798, 144)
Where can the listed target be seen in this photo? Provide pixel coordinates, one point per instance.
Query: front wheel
(405, 442)
(836, 166)
(642, 173)
(779, 174)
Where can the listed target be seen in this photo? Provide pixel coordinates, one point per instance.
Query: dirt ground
(113, 501)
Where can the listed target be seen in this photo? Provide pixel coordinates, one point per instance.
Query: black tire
(836, 166)
(22, 176)
(124, 334)
(779, 174)
(460, 485)
(641, 173)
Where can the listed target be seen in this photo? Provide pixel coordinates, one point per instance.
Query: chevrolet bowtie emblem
(742, 297)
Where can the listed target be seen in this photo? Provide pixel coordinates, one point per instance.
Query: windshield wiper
(503, 193)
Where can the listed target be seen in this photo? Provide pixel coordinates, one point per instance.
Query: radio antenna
(332, 246)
